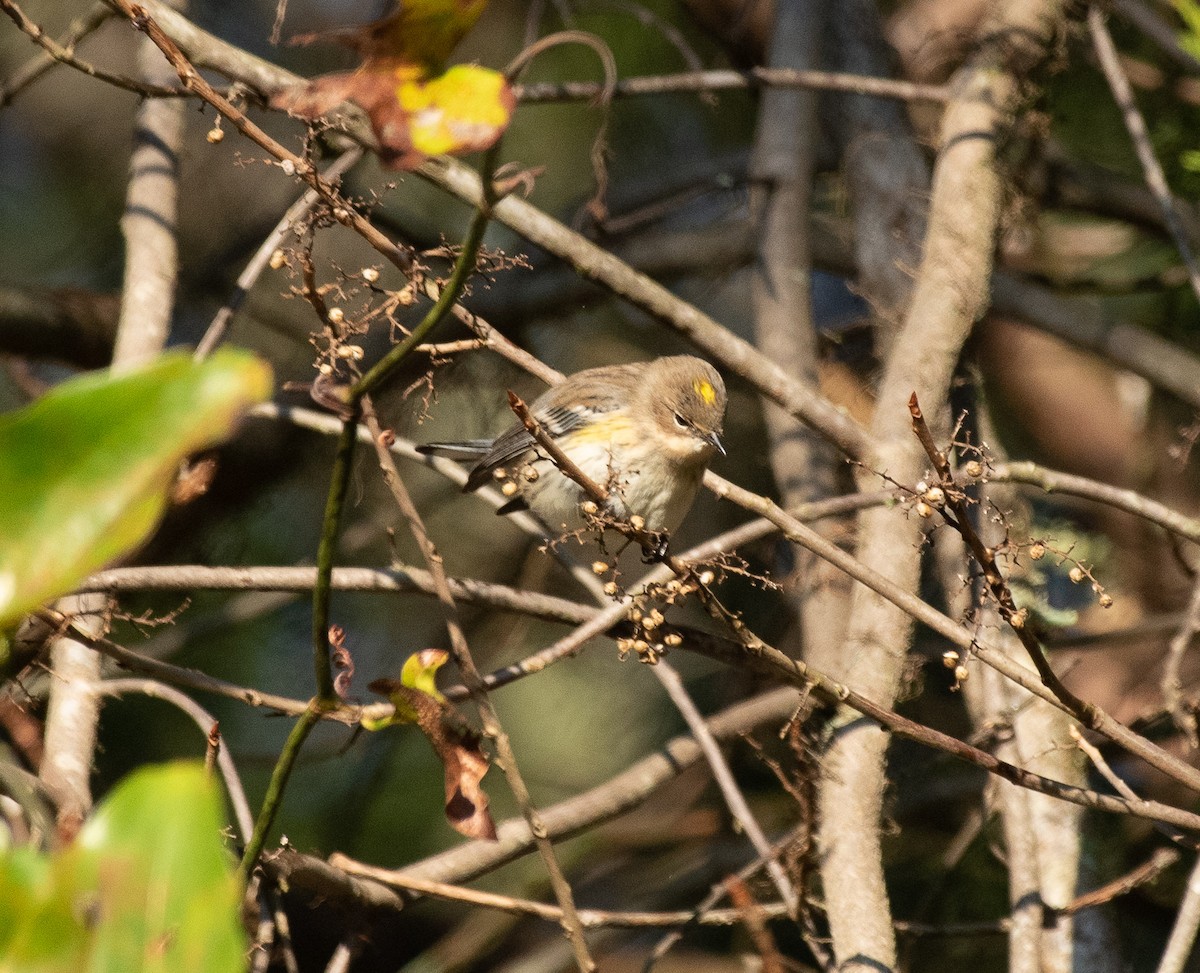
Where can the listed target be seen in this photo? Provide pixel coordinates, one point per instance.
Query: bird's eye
(681, 422)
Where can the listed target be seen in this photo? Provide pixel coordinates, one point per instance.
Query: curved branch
(205, 721)
(1138, 504)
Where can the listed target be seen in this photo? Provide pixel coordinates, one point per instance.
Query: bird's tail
(468, 451)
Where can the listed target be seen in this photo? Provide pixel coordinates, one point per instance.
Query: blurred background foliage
(65, 145)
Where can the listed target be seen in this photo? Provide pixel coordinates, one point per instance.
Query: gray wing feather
(511, 445)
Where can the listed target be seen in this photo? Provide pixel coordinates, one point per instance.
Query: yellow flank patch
(603, 430)
(705, 391)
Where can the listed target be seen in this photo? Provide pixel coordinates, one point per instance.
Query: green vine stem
(339, 484)
(274, 796)
(326, 697)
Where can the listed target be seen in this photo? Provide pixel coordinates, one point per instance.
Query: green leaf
(147, 887)
(39, 929)
(85, 470)
(418, 33)
(1189, 13)
(1190, 160)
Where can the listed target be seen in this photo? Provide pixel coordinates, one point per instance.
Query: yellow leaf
(464, 110)
(420, 671)
(418, 679)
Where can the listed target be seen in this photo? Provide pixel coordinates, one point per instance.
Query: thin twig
(698, 82)
(1171, 684)
(754, 921)
(705, 914)
(205, 721)
(498, 342)
(955, 632)
(492, 727)
(1135, 124)
(444, 349)
(706, 907)
(463, 268)
(339, 480)
(798, 532)
(33, 69)
(326, 697)
(341, 209)
(1119, 498)
(651, 541)
(611, 799)
(769, 661)
(602, 99)
(1143, 874)
(339, 483)
(604, 802)
(216, 330)
(397, 579)
(993, 577)
(273, 799)
(1092, 752)
(328, 425)
(600, 265)
(559, 458)
(65, 55)
(591, 918)
(1182, 940)
(594, 261)
(734, 800)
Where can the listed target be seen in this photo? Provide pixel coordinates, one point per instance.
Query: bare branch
(64, 54)
(758, 77)
(216, 330)
(342, 209)
(1135, 124)
(27, 74)
(205, 721)
(1172, 685)
(734, 798)
(477, 687)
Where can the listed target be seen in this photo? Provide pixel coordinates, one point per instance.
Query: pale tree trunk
(782, 173)
(950, 295)
(147, 303)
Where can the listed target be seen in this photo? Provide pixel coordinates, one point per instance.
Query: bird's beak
(715, 441)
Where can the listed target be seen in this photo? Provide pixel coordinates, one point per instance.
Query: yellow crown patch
(705, 391)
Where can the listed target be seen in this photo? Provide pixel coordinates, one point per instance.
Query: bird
(644, 431)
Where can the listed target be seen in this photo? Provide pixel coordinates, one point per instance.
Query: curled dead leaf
(464, 110)
(457, 745)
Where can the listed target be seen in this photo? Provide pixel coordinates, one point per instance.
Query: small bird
(644, 431)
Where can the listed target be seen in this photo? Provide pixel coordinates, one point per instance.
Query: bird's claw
(655, 547)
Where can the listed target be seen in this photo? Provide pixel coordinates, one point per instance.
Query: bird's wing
(557, 420)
